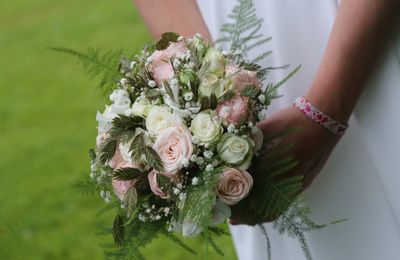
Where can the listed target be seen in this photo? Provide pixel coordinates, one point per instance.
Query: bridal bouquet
(178, 147)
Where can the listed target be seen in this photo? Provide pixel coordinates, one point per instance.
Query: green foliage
(228, 95)
(86, 186)
(200, 199)
(107, 150)
(122, 124)
(138, 148)
(250, 91)
(166, 39)
(118, 231)
(208, 102)
(243, 32)
(267, 240)
(126, 174)
(271, 91)
(168, 90)
(130, 201)
(208, 239)
(178, 241)
(97, 63)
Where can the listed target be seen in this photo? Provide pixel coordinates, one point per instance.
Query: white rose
(141, 107)
(159, 118)
(211, 84)
(205, 128)
(120, 97)
(216, 61)
(120, 105)
(235, 150)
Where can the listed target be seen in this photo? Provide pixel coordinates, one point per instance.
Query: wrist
(332, 104)
(316, 115)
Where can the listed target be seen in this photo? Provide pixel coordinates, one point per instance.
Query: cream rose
(211, 84)
(158, 119)
(174, 146)
(235, 150)
(234, 185)
(154, 185)
(141, 107)
(216, 61)
(206, 128)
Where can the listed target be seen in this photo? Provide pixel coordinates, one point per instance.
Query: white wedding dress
(361, 180)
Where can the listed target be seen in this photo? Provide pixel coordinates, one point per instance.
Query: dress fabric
(361, 180)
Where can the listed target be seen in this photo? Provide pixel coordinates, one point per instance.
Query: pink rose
(242, 78)
(122, 187)
(117, 159)
(154, 185)
(234, 111)
(160, 64)
(234, 185)
(174, 145)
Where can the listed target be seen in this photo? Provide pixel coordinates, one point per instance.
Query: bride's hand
(311, 144)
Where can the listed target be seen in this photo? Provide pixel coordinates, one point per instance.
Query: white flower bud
(209, 167)
(195, 181)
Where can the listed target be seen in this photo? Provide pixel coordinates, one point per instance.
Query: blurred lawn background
(47, 124)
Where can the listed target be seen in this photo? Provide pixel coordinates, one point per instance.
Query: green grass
(47, 124)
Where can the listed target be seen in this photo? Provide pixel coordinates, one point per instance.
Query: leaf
(250, 66)
(213, 101)
(153, 159)
(126, 174)
(107, 150)
(250, 91)
(138, 148)
(208, 102)
(178, 241)
(163, 182)
(168, 89)
(153, 94)
(97, 63)
(130, 201)
(210, 241)
(166, 39)
(291, 74)
(92, 154)
(118, 231)
(228, 95)
(122, 124)
(88, 186)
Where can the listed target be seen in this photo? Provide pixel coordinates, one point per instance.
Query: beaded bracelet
(319, 117)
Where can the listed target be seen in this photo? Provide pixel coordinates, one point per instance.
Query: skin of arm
(180, 16)
(361, 31)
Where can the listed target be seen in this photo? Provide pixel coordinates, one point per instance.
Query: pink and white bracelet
(319, 117)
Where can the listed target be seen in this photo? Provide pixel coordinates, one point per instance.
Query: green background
(47, 124)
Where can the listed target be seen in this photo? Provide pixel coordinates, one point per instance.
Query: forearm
(360, 33)
(181, 16)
